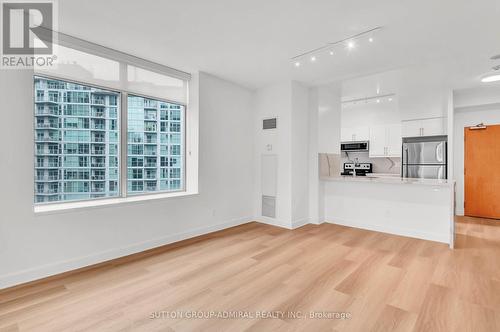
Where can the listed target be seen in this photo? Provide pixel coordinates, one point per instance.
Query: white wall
(289, 102)
(274, 101)
(472, 106)
(34, 246)
(372, 114)
(324, 137)
(299, 154)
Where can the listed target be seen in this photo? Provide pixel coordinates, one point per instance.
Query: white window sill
(71, 206)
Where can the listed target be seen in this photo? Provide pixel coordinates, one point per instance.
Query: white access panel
(269, 174)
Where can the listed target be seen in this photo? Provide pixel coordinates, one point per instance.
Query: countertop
(389, 179)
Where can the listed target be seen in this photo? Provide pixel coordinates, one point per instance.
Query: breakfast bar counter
(420, 208)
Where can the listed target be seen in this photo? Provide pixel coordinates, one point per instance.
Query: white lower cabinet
(385, 141)
(424, 127)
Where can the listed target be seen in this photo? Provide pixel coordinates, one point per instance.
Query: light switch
(269, 147)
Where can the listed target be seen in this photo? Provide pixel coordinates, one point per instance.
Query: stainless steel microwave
(354, 146)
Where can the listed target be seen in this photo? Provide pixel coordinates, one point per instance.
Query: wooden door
(482, 172)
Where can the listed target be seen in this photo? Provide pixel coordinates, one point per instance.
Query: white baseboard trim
(273, 222)
(12, 279)
(444, 238)
(283, 224)
(300, 223)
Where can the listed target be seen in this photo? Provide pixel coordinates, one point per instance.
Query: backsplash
(380, 165)
(332, 164)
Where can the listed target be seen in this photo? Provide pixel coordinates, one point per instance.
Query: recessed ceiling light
(313, 58)
(491, 78)
(390, 99)
(370, 39)
(297, 64)
(331, 52)
(378, 101)
(351, 45)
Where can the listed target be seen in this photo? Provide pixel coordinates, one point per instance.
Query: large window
(74, 157)
(155, 134)
(78, 146)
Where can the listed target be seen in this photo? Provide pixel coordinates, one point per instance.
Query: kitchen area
(391, 172)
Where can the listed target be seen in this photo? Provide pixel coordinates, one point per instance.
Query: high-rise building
(77, 143)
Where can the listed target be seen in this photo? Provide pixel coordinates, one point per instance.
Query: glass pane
(155, 148)
(84, 67)
(75, 158)
(156, 85)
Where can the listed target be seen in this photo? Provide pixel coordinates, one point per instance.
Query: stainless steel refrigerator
(425, 157)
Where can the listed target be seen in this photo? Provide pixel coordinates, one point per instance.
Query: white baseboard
(444, 238)
(300, 223)
(283, 224)
(12, 279)
(273, 222)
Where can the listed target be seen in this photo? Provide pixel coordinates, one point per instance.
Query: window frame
(122, 125)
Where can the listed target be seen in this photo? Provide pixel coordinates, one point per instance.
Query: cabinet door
(432, 127)
(361, 134)
(394, 142)
(347, 134)
(411, 128)
(378, 138)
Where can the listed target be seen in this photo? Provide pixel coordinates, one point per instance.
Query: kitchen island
(419, 208)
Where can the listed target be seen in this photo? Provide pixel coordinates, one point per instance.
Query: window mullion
(123, 144)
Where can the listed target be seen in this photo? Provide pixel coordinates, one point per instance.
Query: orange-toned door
(482, 172)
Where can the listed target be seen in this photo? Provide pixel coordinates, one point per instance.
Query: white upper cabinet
(432, 127)
(378, 140)
(424, 127)
(385, 141)
(394, 140)
(350, 134)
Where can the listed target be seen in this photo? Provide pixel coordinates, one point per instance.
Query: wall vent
(269, 206)
(269, 123)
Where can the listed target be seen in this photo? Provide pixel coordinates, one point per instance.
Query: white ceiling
(251, 42)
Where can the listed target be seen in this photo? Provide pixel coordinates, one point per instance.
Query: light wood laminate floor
(385, 283)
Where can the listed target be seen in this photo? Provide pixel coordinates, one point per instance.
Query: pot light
(331, 52)
(390, 99)
(370, 39)
(313, 58)
(297, 64)
(491, 78)
(351, 45)
(378, 101)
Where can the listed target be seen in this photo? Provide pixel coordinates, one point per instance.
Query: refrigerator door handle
(407, 170)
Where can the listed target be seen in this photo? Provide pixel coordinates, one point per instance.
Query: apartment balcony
(98, 152)
(98, 190)
(48, 139)
(98, 165)
(47, 178)
(98, 114)
(150, 104)
(47, 126)
(98, 127)
(98, 177)
(150, 129)
(47, 153)
(150, 165)
(45, 112)
(98, 140)
(150, 153)
(50, 165)
(98, 102)
(150, 118)
(46, 100)
(48, 191)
